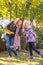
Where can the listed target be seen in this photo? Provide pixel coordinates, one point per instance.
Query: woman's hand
(11, 47)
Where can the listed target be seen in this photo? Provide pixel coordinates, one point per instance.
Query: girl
(17, 43)
(31, 39)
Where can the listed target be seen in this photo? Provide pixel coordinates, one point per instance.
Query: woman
(17, 43)
(10, 39)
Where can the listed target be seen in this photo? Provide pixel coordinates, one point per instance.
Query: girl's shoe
(41, 54)
(31, 57)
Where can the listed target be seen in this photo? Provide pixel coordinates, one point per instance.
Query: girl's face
(27, 25)
(20, 22)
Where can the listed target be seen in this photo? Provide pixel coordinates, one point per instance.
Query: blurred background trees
(26, 9)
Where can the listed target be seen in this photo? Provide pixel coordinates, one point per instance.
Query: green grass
(23, 59)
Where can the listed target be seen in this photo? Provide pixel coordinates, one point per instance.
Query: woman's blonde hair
(17, 20)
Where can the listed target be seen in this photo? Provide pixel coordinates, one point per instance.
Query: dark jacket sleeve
(20, 31)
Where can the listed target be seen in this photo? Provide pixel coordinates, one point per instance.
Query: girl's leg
(34, 48)
(30, 50)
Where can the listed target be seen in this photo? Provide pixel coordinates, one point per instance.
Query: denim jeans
(10, 42)
(32, 47)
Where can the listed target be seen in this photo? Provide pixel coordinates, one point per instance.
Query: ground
(23, 59)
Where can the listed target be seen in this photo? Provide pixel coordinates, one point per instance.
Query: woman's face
(20, 22)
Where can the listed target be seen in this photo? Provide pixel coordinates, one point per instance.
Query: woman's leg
(13, 49)
(7, 38)
(19, 48)
(19, 43)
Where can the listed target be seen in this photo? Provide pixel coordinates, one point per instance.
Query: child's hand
(36, 37)
(27, 35)
(36, 40)
(24, 34)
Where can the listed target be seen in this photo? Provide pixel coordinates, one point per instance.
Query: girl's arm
(26, 34)
(32, 32)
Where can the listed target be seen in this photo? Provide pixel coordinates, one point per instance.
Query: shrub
(39, 32)
(2, 42)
